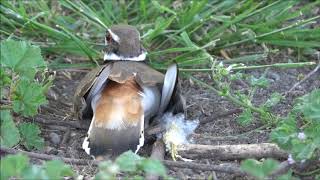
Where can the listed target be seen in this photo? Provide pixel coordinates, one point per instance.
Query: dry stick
(231, 112)
(305, 78)
(232, 152)
(218, 138)
(73, 124)
(282, 169)
(226, 168)
(50, 157)
(66, 137)
(158, 151)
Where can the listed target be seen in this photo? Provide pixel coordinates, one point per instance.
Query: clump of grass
(191, 33)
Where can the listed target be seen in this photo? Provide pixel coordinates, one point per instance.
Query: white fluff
(113, 56)
(141, 139)
(178, 128)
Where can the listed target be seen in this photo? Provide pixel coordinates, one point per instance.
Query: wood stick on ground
(232, 152)
(226, 168)
(158, 151)
(218, 138)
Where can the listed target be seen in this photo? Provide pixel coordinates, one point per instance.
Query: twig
(282, 169)
(66, 137)
(231, 112)
(50, 157)
(158, 151)
(226, 168)
(232, 152)
(305, 78)
(73, 124)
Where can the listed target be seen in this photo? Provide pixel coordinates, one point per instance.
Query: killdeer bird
(121, 97)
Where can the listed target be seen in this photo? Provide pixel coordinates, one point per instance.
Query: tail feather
(118, 121)
(102, 141)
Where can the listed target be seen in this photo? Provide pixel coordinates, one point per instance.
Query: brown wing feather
(145, 75)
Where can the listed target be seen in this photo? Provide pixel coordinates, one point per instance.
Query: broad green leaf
(107, 170)
(128, 161)
(302, 149)
(309, 105)
(21, 57)
(273, 100)
(9, 132)
(13, 165)
(259, 169)
(4, 77)
(28, 96)
(245, 118)
(153, 166)
(269, 165)
(137, 177)
(34, 172)
(57, 169)
(287, 176)
(259, 82)
(284, 132)
(30, 135)
(5, 81)
(101, 175)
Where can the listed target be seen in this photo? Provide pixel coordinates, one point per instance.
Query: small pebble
(55, 138)
(51, 150)
(274, 76)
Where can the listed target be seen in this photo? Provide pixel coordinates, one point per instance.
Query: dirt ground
(202, 104)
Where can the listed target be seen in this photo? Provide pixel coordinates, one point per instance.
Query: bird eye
(109, 38)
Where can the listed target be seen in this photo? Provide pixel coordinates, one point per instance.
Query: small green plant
(18, 167)
(132, 165)
(23, 86)
(261, 170)
(297, 133)
(223, 78)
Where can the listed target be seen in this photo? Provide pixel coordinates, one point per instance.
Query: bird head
(123, 43)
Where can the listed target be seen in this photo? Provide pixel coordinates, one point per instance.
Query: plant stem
(277, 65)
(5, 107)
(270, 33)
(228, 95)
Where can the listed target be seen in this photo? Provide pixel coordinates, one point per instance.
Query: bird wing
(169, 85)
(144, 74)
(121, 107)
